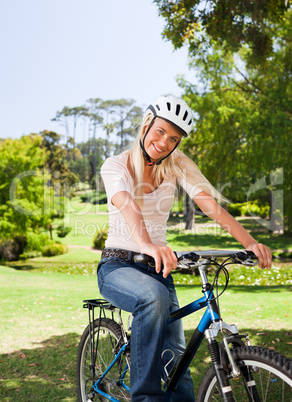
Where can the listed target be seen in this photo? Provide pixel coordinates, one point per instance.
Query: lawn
(41, 303)
(43, 318)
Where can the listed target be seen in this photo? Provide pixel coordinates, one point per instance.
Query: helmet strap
(142, 142)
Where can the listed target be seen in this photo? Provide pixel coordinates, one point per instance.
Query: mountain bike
(239, 371)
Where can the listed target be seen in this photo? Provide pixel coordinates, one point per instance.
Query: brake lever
(188, 260)
(245, 258)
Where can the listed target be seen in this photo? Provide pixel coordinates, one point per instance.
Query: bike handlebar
(244, 257)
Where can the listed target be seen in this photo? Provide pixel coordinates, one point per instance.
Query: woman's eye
(173, 139)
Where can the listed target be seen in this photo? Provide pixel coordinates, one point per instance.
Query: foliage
(63, 230)
(22, 195)
(230, 23)
(54, 249)
(57, 156)
(243, 121)
(94, 197)
(36, 241)
(100, 238)
(242, 276)
(117, 116)
(101, 199)
(244, 209)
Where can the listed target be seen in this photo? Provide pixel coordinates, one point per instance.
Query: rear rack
(101, 303)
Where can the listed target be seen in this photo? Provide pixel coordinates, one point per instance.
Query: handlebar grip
(244, 255)
(251, 254)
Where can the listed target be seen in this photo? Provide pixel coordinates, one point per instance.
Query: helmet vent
(177, 110)
(190, 122)
(158, 107)
(168, 106)
(185, 115)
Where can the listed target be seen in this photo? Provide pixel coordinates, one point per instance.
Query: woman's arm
(209, 206)
(136, 226)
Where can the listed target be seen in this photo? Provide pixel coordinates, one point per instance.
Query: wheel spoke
(109, 337)
(265, 377)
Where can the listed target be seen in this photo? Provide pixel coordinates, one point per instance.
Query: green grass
(74, 256)
(206, 235)
(41, 303)
(42, 320)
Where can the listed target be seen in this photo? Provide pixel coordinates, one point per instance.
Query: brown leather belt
(119, 253)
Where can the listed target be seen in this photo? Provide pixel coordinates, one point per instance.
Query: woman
(140, 185)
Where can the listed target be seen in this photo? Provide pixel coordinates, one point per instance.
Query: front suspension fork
(221, 375)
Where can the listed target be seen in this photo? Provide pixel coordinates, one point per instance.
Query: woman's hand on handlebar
(162, 255)
(263, 254)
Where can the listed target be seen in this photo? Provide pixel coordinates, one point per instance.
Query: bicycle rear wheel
(265, 376)
(110, 335)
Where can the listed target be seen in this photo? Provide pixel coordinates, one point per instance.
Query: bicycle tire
(110, 335)
(270, 371)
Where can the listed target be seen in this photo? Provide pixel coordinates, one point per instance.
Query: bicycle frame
(210, 318)
(121, 379)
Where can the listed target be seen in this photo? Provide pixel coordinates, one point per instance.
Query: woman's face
(161, 139)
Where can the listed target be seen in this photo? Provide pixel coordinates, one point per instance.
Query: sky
(58, 53)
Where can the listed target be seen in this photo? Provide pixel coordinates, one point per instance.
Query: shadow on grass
(19, 266)
(47, 373)
(275, 340)
(221, 240)
(202, 240)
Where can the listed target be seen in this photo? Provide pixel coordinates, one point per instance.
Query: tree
(243, 116)
(231, 23)
(118, 118)
(132, 116)
(62, 117)
(96, 119)
(56, 158)
(77, 112)
(22, 186)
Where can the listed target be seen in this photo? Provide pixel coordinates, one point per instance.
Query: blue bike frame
(121, 379)
(209, 316)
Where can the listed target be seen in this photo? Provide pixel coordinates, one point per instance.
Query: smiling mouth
(157, 149)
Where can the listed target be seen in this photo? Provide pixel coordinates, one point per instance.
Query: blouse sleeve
(191, 189)
(115, 177)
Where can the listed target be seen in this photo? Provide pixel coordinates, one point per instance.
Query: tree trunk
(190, 216)
(51, 231)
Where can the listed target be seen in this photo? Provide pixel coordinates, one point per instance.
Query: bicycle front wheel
(265, 376)
(109, 342)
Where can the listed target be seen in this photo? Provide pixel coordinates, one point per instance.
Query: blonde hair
(176, 165)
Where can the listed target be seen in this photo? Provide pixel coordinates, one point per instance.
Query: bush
(54, 249)
(234, 209)
(29, 254)
(101, 199)
(10, 250)
(246, 209)
(94, 198)
(255, 208)
(36, 242)
(63, 230)
(100, 238)
(86, 197)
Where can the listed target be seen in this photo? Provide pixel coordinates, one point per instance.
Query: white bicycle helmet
(176, 112)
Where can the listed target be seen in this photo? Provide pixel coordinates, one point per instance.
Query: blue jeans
(150, 298)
